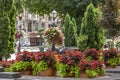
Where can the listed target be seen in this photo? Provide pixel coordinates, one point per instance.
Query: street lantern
(54, 15)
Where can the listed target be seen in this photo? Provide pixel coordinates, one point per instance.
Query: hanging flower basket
(54, 36)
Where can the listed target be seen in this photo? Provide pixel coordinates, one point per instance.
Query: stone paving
(110, 76)
(107, 77)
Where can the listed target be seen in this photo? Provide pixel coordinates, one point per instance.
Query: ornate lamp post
(54, 14)
(19, 34)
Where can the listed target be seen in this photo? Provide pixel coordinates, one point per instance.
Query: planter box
(47, 73)
(26, 72)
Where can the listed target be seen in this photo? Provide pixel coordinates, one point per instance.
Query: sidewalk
(107, 77)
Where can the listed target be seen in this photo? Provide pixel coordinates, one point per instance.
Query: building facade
(33, 22)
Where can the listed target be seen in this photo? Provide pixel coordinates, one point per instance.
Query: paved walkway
(107, 77)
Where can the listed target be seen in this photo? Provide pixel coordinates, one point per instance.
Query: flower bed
(6, 64)
(111, 57)
(75, 63)
(67, 63)
(71, 63)
(92, 68)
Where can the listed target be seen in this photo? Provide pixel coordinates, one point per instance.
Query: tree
(111, 18)
(7, 27)
(90, 28)
(71, 37)
(19, 5)
(68, 31)
(12, 16)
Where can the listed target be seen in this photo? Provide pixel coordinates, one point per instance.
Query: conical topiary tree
(91, 29)
(100, 36)
(12, 16)
(7, 27)
(68, 31)
(65, 28)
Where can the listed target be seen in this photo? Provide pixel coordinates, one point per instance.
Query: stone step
(1, 69)
(113, 70)
(10, 75)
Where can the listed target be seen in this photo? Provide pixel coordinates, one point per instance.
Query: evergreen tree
(99, 31)
(12, 16)
(7, 28)
(91, 29)
(68, 31)
(65, 29)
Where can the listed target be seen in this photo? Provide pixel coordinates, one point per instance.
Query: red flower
(70, 57)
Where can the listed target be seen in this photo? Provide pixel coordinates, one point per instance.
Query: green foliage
(66, 24)
(82, 42)
(118, 59)
(35, 70)
(91, 73)
(4, 29)
(112, 61)
(68, 31)
(19, 4)
(62, 69)
(41, 66)
(89, 58)
(75, 70)
(91, 29)
(12, 16)
(7, 28)
(19, 66)
(101, 71)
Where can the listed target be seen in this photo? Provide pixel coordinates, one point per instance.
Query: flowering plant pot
(54, 36)
(111, 57)
(43, 61)
(24, 67)
(83, 75)
(67, 63)
(26, 72)
(92, 68)
(48, 72)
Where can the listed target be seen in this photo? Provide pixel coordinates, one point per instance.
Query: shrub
(111, 57)
(93, 53)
